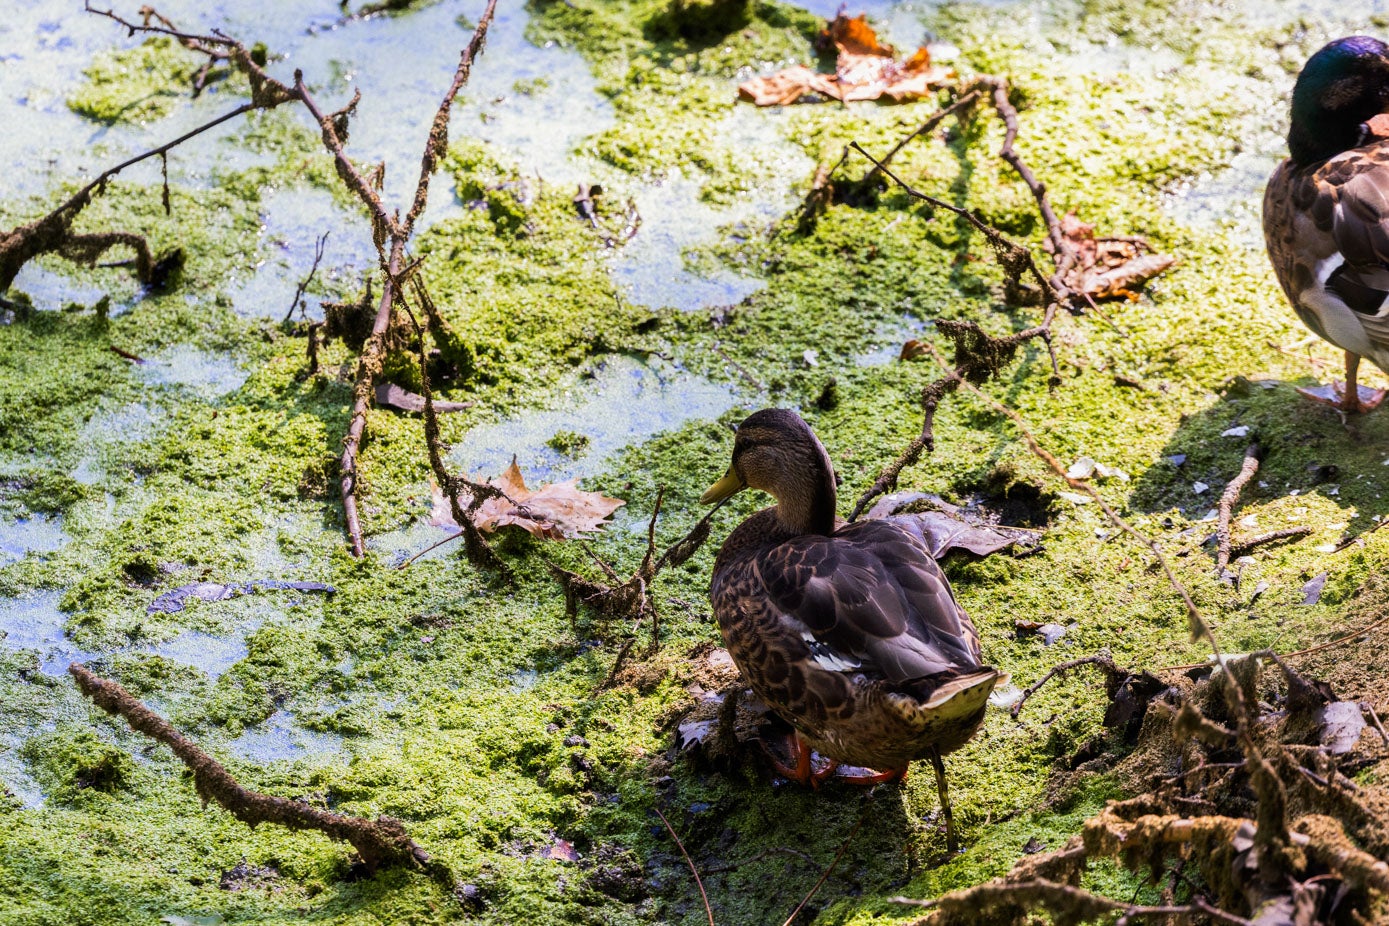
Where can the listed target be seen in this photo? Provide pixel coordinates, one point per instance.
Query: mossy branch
(383, 841)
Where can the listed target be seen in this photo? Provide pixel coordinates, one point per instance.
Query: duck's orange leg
(858, 775)
(800, 754)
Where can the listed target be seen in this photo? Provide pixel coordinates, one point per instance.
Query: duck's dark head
(775, 451)
(1340, 89)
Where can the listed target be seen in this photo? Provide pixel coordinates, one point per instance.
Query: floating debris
(174, 601)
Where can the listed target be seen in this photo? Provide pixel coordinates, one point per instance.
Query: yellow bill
(728, 485)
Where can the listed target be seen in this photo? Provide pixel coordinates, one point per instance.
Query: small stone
(1199, 487)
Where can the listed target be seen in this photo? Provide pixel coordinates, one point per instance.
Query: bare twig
(304, 283)
(1248, 546)
(688, 861)
(1227, 502)
(844, 847)
(1102, 658)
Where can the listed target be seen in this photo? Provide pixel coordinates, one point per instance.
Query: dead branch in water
(52, 233)
(383, 841)
(390, 233)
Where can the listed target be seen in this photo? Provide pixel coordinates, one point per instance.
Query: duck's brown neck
(806, 505)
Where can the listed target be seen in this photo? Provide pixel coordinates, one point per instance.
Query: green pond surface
(469, 704)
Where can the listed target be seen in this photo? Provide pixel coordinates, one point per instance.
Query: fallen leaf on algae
(1109, 268)
(392, 396)
(865, 69)
(558, 511)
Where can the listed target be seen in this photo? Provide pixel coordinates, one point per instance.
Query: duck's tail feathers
(972, 689)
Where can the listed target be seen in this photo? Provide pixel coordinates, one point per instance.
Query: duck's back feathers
(872, 595)
(1327, 230)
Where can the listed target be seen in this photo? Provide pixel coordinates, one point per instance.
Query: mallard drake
(1326, 208)
(849, 632)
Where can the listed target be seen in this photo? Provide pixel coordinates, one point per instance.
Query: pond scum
(157, 433)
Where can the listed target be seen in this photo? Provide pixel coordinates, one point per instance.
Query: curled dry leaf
(558, 511)
(1109, 268)
(865, 69)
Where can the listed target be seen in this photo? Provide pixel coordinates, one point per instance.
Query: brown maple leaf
(558, 511)
(1108, 268)
(865, 69)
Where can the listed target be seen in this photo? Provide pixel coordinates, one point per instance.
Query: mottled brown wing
(870, 598)
(1338, 211)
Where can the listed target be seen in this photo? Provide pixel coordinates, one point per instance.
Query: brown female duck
(849, 632)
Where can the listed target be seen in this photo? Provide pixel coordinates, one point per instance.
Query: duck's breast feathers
(870, 598)
(1327, 229)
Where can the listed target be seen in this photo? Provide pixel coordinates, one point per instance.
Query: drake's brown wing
(1328, 237)
(870, 598)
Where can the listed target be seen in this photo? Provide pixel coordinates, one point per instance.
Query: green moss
(71, 761)
(137, 84)
(569, 443)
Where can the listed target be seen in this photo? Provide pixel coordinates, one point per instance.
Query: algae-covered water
(470, 705)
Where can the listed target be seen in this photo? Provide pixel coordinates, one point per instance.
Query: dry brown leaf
(864, 70)
(1109, 268)
(853, 35)
(558, 511)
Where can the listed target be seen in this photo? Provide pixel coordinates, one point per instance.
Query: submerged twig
(308, 278)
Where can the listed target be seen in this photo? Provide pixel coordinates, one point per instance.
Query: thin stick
(1286, 533)
(1227, 502)
(825, 877)
(1354, 635)
(433, 546)
(688, 861)
(965, 100)
(304, 283)
(1100, 658)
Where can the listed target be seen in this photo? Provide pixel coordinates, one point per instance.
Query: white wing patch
(827, 657)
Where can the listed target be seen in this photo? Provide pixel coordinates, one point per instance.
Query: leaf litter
(865, 69)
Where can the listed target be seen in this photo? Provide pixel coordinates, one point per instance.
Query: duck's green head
(1340, 89)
